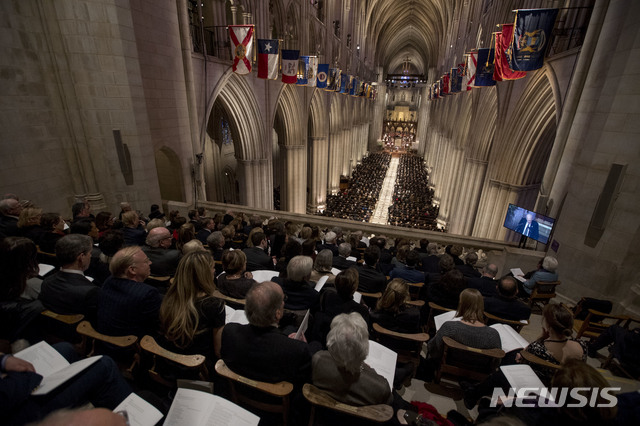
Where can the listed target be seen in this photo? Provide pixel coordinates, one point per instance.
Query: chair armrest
(149, 344)
(494, 352)
(85, 329)
(532, 359)
(67, 319)
(379, 413)
(417, 337)
(280, 389)
(216, 293)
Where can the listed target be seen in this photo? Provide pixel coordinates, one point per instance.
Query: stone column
(256, 190)
(319, 165)
(294, 191)
(334, 162)
(463, 213)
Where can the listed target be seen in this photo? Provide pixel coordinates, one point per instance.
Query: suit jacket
(365, 388)
(371, 281)
(128, 307)
(484, 285)
(164, 262)
(533, 229)
(134, 236)
(431, 264)
(265, 354)
(68, 293)
(203, 234)
(503, 307)
(468, 271)
(409, 274)
(300, 295)
(332, 247)
(342, 263)
(9, 226)
(257, 259)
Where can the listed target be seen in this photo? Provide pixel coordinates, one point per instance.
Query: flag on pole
(312, 71)
(303, 66)
(532, 33)
(484, 70)
(345, 80)
(470, 72)
(456, 80)
(268, 55)
(354, 86)
(241, 44)
(444, 87)
(501, 70)
(323, 76)
(290, 66)
(339, 81)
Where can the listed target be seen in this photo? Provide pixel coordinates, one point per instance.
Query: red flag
(501, 71)
(242, 43)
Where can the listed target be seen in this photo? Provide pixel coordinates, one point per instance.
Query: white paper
(335, 271)
(89, 278)
(195, 408)
(44, 358)
(383, 360)
(321, 282)
(44, 269)
(264, 275)
(54, 380)
(351, 258)
(357, 297)
(303, 326)
(517, 272)
(442, 318)
(139, 411)
(235, 316)
(522, 376)
(509, 338)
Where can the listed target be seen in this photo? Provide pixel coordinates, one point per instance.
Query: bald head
(10, 207)
(159, 237)
(490, 270)
(265, 304)
(508, 287)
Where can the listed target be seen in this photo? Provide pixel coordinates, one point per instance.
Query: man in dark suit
(370, 280)
(528, 227)
(257, 257)
(206, 227)
(127, 305)
(164, 260)
(330, 243)
(259, 350)
(505, 304)
(10, 210)
(469, 268)
(68, 291)
(409, 273)
(486, 284)
(340, 261)
(431, 262)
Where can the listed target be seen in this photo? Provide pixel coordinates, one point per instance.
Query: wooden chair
(407, 345)
(88, 333)
(195, 363)
(416, 303)
(370, 299)
(318, 398)
(592, 329)
(414, 289)
(234, 303)
(464, 361)
(516, 325)
(546, 368)
(280, 390)
(435, 310)
(543, 291)
(59, 327)
(48, 258)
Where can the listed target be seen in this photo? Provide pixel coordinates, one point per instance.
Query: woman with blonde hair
(235, 281)
(29, 224)
(322, 266)
(392, 310)
(191, 319)
(186, 233)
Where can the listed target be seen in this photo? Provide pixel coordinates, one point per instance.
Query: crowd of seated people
(188, 319)
(412, 205)
(358, 201)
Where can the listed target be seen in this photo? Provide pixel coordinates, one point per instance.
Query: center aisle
(385, 198)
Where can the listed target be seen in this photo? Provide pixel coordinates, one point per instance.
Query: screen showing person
(528, 223)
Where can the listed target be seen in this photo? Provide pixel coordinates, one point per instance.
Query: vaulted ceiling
(414, 29)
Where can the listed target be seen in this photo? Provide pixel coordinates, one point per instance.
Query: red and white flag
(469, 79)
(241, 44)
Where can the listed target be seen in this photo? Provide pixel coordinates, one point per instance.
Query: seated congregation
(281, 314)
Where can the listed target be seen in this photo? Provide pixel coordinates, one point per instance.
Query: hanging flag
(323, 76)
(312, 71)
(303, 66)
(484, 70)
(444, 87)
(345, 80)
(456, 80)
(331, 79)
(470, 71)
(501, 71)
(338, 80)
(290, 66)
(532, 33)
(268, 56)
(241, 44)
(354, 86)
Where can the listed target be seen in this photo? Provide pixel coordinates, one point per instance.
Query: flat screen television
(528, 223)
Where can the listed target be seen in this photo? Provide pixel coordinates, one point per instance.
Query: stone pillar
(256, 190)
(451, 192)
(294, 191)
(334, 162)
(345, 138)
(319, 165)
(463, 213)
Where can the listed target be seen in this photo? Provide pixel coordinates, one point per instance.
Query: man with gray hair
(486, 284)
(10, 210)
(68, 291)
(341, 262)
(330, 243)
(469, 268)
(164, 259)
(259, 350)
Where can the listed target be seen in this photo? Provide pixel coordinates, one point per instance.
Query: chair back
(435, 310)
(379, 413)
(239, 385)
(234, 303)
(407, 345)
(60, 327)
(370, 299)
(89, 348)
(516, 325)
(544, 368)
(595, 323)
(543, 291)
(194, 363)
(469, 363)
(414, 290)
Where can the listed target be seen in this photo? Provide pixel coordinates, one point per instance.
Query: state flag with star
(268, 59)
(241, 47)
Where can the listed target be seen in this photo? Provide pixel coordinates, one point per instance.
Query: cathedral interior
(137, 101)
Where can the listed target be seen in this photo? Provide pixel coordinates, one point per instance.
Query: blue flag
(456, 81)
(531, 36)
(354, 86)
(344, 83)
(303, 66)
(484, 70)
(323, 75)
